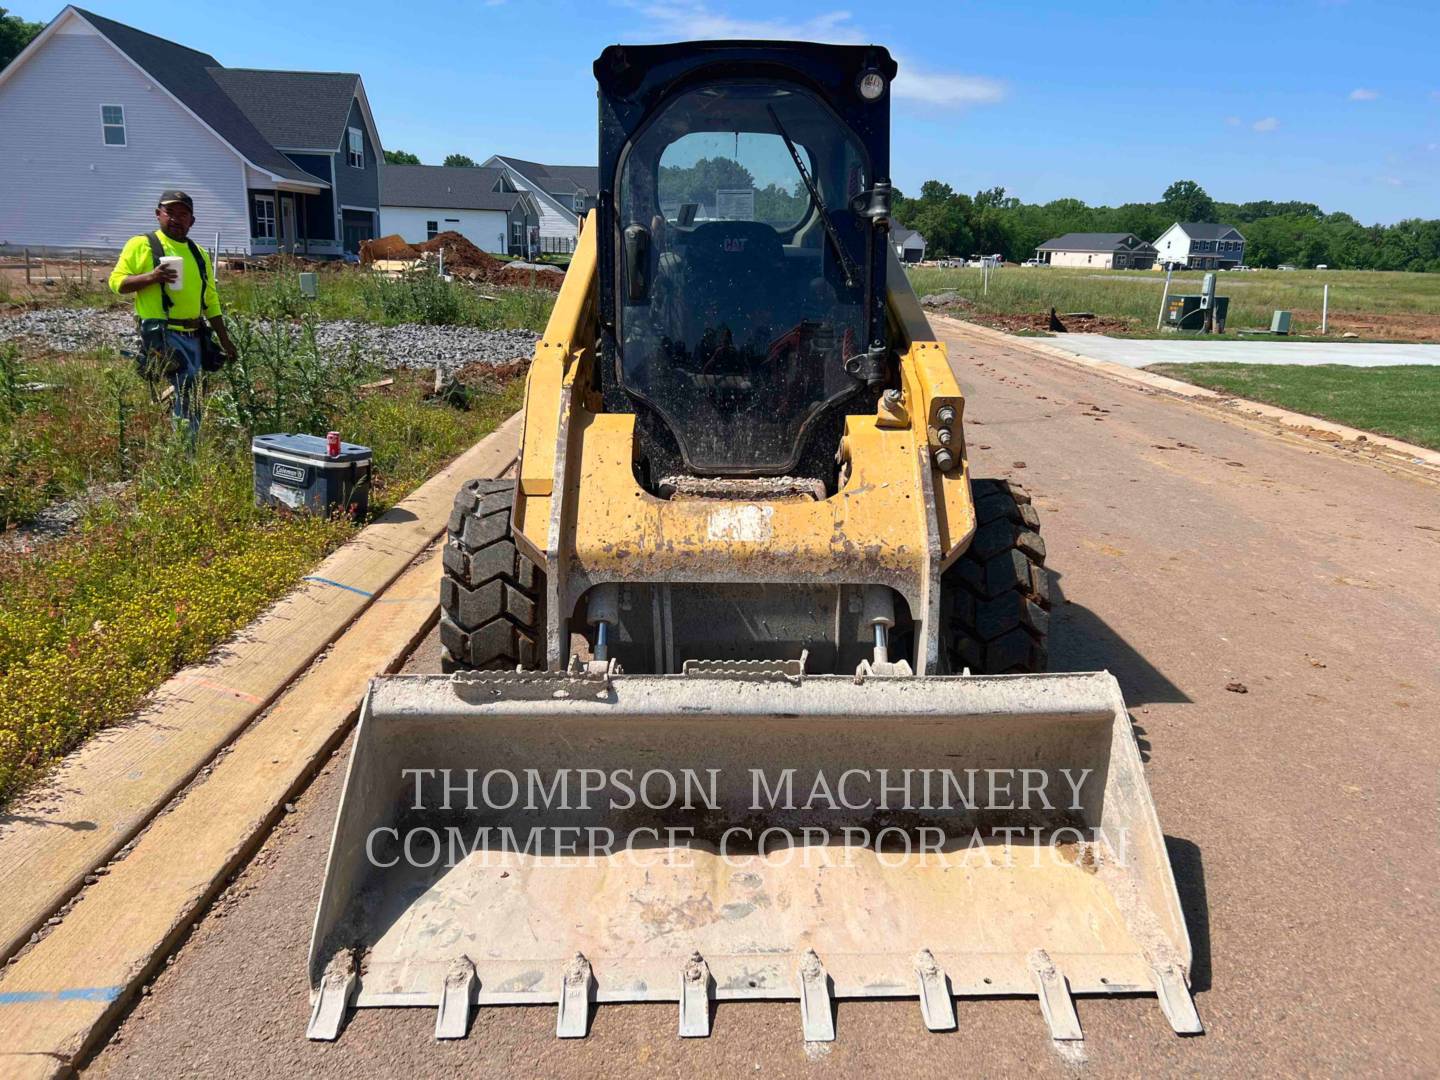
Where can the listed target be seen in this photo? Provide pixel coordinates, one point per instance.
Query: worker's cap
(174, 197)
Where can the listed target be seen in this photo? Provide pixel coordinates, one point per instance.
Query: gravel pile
(417, 345)
(72, 329)
(410, 345)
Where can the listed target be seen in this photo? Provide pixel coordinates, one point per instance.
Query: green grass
(1402, 401)
(420, 297)
(156, 578)
(1134, 295)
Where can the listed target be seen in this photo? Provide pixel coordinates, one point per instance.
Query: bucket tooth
(696, 990)
(577, 990)
(452, 1021)
(337, 987)
(816, 1013)
(936, 1004)
(1055, 1002)
(1175, 1000)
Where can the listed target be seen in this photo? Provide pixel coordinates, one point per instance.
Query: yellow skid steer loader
(744, 695)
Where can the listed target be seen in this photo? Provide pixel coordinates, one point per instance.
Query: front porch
(293, 223)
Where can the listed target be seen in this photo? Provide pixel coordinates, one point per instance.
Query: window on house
(264, 217)
(356, 142)
(112, 124)
(432, 229)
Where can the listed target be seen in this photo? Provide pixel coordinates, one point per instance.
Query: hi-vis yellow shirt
(184, 304)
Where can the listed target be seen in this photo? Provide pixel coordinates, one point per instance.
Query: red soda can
(332, 443)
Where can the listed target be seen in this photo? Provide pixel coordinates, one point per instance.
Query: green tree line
(1294, 233)
(15, 34)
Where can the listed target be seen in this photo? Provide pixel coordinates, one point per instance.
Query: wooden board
(105, 792)
(64, 994)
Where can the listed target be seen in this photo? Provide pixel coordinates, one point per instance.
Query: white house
(562, 192)
(909, 244)
(97, 118)
(1201, 245)
(1099, 251)
(418, 201)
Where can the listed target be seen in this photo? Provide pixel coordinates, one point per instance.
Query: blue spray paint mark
(338, 585)
(79, 993)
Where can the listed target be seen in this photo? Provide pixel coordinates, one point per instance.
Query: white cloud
(688, 20)
(1269, 123)
(938, 88)
(1361, 93)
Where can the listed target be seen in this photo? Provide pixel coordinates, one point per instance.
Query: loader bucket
(564, 839)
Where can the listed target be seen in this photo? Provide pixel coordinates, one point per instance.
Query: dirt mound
(528, 277)
(1073, 323)
(386, 247)
(461, 254)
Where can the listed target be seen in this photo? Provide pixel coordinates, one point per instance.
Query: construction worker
(174, 302)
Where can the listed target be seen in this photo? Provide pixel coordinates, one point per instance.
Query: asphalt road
(1191, 551)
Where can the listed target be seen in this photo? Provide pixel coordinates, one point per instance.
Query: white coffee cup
(179, 264)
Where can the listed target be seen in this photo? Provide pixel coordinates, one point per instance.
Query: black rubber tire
(995, 598)
(492, 598)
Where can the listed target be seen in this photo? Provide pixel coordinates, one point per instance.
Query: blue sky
(1329, 101)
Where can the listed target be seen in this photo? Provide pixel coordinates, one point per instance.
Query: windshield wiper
(846, 265)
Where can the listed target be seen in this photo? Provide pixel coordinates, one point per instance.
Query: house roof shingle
(1207, 230)
(1096, 241)
(445, 188)
(299, 110)
(187, 73)
(561, 178)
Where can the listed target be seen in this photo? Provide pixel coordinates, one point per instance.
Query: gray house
(418, 201)
(909, 244)
(562, 192)
(97, 118)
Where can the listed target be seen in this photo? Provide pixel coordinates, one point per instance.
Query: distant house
(562, 192)
(909, 244)
(97, 118)
(418, 201)
(1201, 245)
(1101, 251)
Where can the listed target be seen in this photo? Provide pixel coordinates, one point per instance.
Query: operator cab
(743, 223)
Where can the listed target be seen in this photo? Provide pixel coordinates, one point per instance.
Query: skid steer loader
(744, 694)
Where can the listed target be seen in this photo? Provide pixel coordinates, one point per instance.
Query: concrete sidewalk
(1141, 352)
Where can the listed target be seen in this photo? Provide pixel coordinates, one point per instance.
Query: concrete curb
(1297, 422)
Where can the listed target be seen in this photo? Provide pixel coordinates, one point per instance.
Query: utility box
(298, 472)
(1184, 312)
(1280, 322)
